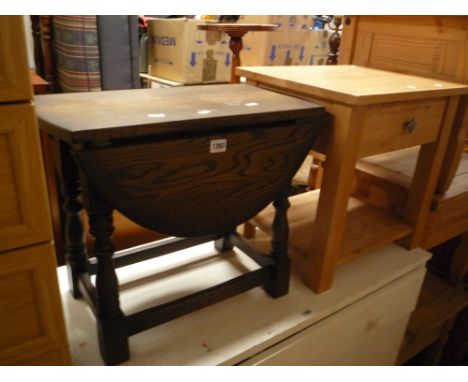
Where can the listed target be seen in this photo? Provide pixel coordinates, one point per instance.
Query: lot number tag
(218, 145)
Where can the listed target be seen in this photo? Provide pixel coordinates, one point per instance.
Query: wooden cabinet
(14, 72)
(24, 215)
(30, 307)
(31, 315)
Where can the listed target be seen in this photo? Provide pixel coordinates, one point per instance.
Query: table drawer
(399, 125)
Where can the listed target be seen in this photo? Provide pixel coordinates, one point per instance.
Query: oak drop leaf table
(374, 111)
(189, 162)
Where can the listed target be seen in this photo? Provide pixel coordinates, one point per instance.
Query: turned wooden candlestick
(236, 32)
(334, 41)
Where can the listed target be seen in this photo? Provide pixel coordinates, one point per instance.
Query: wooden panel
(24, 216)
(384, 126)
(50, 356)
(15, 83)
(382, 315)
(430, 46)
(32, 318)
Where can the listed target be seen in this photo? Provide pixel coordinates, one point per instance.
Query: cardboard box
(294, 43)
(318, 47)
(180, 52)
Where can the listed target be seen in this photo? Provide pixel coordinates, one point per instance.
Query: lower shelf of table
(367, 227)
(384, 180)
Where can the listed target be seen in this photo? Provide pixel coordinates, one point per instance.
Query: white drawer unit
(368, 332)
(360, 321)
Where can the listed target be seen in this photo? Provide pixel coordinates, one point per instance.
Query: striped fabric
(77, 53)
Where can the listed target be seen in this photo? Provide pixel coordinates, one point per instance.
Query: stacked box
(180, 52)
(318, 47)
(294, 43)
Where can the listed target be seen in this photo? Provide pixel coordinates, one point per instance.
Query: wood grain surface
(121, 114)
(15, 81)
(350, 84)
(178, 187)
(430, 46)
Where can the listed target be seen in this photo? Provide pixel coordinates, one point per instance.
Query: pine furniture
(31, 319)
(374, 112)
(434, 47)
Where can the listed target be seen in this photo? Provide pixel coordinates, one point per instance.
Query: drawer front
(15, 82)
(375, 325)
(24, 213)
(398, 125)
(30, 306)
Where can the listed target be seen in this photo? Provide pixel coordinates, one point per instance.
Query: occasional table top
(98, 116)
(351, 84)
(235, 28)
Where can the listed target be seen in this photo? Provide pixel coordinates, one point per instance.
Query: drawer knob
(410, 125)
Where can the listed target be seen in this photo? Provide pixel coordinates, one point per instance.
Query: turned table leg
(76, 256)
(224, 243)
(279, 248)
(236, 45)
(111, 323)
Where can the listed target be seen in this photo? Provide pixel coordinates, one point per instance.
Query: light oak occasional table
(374, 111)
